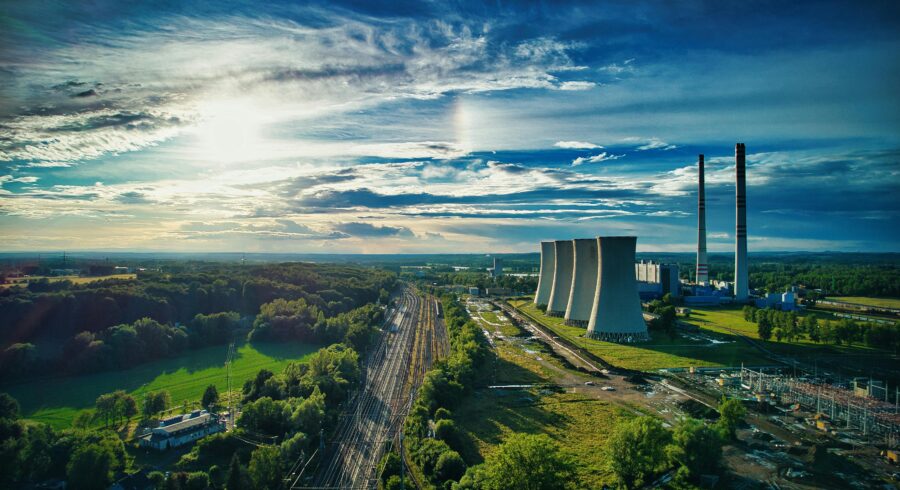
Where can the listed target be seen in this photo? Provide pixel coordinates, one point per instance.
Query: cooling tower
(545, 278)
(702, 267)
(616, 313)
(741, 281)
(562, 278)
(584, 281)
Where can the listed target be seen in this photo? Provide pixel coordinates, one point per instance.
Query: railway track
(393, 372)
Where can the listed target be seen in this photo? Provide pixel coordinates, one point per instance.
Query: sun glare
(230, 130)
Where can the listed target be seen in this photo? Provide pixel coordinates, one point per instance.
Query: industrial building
(562, 277)
(182, 429)
(497, 270)
(783, 301)
(545, 277)
(656, 280)
(616, 314)
(584, 281)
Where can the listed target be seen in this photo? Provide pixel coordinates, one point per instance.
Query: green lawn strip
(660, 352)
(56, 401)
(862, 300)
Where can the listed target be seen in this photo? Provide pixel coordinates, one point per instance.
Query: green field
(579, 423)
(660, 352)
(73, 279)
(861, 300)
(56, 401)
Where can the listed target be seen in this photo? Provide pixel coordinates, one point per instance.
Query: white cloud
(602, 157)
(577, 85)
(576, 145)
(654, 144)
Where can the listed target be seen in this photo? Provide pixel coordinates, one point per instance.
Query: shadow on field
(493, 413)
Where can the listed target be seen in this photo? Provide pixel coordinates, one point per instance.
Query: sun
(230, 131)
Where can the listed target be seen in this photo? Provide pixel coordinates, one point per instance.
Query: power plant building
(741, 279)
(584, 281)
(616, 313)
(545, 278)
(562, 277)
(497, 270)
(656, 280)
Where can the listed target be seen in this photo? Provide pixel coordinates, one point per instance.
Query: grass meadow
(56, 401)
(579, 423)
(860, 300)
(660, 352)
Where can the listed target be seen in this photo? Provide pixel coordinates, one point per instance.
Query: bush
(449, 466)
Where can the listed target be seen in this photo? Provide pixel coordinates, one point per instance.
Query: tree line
(62, 309)
(302, 302)
(789, 326)
(34, 452)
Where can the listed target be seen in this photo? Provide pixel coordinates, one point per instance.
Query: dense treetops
(116, 324)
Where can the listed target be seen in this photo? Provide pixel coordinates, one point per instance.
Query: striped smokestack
(702, 267)
(741, 281)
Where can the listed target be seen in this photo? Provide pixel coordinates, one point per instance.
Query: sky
(404, 127)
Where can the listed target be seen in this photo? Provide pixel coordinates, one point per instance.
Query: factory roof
(188, 422)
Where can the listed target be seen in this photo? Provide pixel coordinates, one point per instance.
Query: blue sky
(382, 127)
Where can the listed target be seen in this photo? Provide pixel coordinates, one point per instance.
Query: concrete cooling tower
(616, 313)
(545, 278)
(562, 278)
(584, 281)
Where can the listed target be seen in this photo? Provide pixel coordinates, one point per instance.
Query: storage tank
(562, 278)
(545, 278)
(616, 312)
(584, 281)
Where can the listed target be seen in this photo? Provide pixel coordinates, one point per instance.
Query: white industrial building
(182, 429)
(656, 280)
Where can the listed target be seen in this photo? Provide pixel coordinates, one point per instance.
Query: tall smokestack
(702, 267)
(741, 281)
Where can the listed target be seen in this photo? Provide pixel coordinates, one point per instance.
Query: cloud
(577, 85)
(360, 229)
(602, 157)
(653, 144)
(576, 145)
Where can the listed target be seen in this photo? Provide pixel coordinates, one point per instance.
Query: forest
(58, 327)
